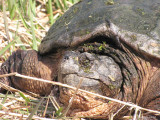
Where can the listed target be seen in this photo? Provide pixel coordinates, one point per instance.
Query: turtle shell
(135, 22)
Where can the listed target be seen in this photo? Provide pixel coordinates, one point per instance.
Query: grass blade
(24, 97)
(11, 8)
(34, 45)
(6, 48)
(21, 17)
(35, 109)
(50, 11)
(18, 40)
(65, 5)
(58, 4)
(4, 100)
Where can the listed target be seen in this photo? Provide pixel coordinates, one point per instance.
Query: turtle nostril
(66, 57)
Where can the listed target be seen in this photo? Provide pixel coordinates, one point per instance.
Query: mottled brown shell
(136, 21)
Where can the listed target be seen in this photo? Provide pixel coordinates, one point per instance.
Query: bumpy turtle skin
(141, 78)
(32, 64)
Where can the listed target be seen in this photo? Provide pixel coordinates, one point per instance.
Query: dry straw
(136, 107)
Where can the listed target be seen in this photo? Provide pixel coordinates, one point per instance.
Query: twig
(55, 102)
(135, 114)
(11, 89)
(44, 113)
(3, 106)
(7, 75)
(24, 116)
(101, 96)
(10, 103)
(73, 97)
(118, 110)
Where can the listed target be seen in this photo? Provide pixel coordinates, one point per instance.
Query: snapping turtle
(113, 46)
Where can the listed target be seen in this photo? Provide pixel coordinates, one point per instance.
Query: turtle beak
(99, 74)
(97, 71)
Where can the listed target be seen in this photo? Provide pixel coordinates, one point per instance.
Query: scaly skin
(140, 83)
(32, 64)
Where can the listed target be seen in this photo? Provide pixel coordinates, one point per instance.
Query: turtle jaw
(100, 74)
(131, 73)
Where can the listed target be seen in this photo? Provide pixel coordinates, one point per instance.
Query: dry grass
(21, 36)
(31, 107)
(22, 26)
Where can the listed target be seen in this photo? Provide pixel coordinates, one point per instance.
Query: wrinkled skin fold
(106, 68)
(114, 71)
